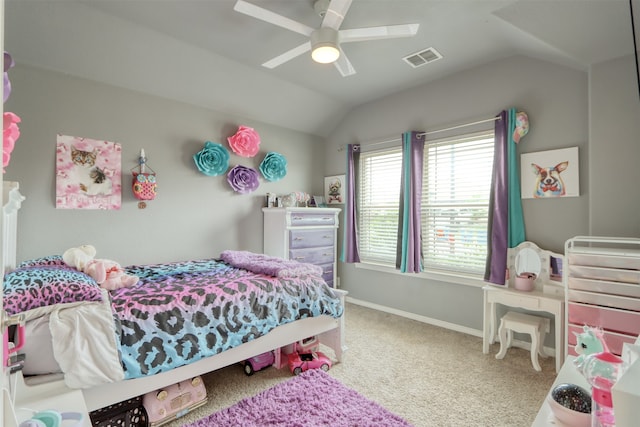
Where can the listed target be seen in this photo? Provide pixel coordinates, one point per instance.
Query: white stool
(525, 323)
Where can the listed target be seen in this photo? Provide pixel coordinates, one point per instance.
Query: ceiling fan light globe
(325, 54)
(324, 45)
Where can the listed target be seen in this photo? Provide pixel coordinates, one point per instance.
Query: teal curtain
(516, 217)
(409, 247)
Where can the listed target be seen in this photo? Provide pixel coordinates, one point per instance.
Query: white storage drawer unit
(602, 276)
(303, 234)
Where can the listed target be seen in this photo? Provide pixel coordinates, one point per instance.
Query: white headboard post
(11, 203)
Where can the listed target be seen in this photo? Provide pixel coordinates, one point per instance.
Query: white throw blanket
(84, 344)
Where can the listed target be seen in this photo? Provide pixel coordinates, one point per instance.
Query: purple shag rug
(313, 398)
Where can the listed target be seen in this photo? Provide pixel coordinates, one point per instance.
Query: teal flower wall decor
(213, 159)
(273, 166)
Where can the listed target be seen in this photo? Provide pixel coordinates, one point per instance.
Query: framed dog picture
(334, 188)
(549, 174)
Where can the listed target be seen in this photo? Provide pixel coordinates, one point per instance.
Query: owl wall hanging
(144, 183)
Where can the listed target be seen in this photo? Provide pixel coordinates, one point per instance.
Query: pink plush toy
(109, 274)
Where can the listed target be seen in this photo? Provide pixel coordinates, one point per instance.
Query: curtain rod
(493, 119)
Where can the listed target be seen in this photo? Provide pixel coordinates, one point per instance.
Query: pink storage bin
(525, 282)
(612, 319)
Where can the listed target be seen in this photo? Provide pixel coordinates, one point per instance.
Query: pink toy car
(259, 362)
(300, 362)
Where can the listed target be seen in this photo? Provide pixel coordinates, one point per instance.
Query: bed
(182, 319)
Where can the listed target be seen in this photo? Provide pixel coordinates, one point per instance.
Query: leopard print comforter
(185, 311)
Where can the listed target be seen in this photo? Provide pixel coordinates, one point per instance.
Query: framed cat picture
(88, 173)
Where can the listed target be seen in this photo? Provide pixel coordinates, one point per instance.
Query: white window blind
(378, 201)
(455, 202)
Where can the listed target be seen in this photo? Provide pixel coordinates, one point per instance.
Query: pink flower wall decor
(10, 134)
(245, 142)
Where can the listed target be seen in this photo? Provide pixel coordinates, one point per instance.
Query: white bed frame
(328, 329)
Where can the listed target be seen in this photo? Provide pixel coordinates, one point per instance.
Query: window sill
(457, 278)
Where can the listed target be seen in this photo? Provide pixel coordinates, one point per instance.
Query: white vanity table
(547, 296)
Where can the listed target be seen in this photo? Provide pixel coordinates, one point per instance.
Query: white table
(568, 374)
(533, 301)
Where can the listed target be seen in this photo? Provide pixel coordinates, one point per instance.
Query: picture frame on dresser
(319, 202)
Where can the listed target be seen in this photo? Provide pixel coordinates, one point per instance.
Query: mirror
(528, 261)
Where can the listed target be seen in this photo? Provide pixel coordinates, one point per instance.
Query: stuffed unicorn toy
(589, 341)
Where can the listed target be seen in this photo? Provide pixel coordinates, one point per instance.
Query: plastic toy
(174, 401)
(590, 341)
(259, 362)
(602, 371)
(306, 356)
(300, 362)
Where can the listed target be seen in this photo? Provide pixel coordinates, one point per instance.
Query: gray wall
(598, 112)
(193, 216)
(614, 126)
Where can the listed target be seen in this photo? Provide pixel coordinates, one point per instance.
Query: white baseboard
(435, 322)
(419, 318)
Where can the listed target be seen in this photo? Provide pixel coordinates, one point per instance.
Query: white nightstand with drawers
(305, 235)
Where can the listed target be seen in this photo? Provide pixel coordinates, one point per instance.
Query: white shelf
(53, 396)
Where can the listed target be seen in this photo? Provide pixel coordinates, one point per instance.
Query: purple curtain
(350, 237)
(506, 223)
(409, 247)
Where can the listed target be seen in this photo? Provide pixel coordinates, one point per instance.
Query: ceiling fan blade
(377, 33)
(336, 13)
(344, 65)
(288, 55)
(272, 18)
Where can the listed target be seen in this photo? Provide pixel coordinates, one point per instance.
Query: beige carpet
(428, 375)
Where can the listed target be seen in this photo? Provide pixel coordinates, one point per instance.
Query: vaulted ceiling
(205, 53)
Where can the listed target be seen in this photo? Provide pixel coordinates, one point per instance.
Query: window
(455, 203)
(378, 200)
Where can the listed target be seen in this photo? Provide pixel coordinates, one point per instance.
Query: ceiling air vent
(423, 57)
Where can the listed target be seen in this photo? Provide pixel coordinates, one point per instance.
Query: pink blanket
(271, 266)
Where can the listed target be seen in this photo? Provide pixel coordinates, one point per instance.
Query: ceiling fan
(324, 42)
